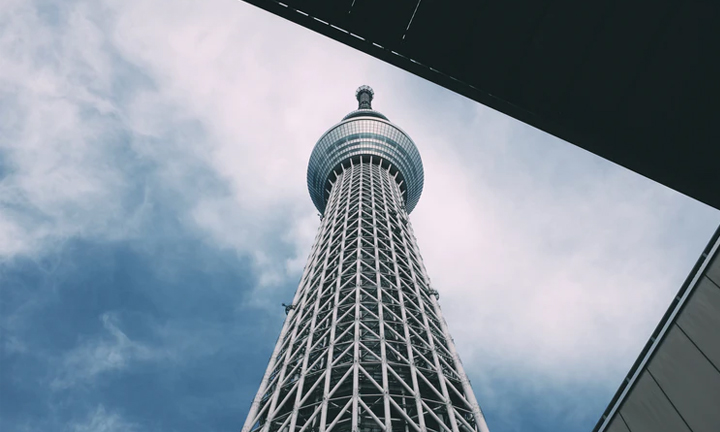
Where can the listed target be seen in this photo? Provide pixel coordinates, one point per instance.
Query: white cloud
(262, 112)
(551, 264)
(112, 351)
(207, 103)
(100, 420)
(56, 145)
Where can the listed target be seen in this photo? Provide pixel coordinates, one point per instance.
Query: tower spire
(364, 95)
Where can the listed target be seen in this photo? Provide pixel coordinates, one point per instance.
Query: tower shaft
(364, 347)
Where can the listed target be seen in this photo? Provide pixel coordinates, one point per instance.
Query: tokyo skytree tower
(365, 347)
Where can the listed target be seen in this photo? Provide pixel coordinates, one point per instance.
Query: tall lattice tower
(364, 347)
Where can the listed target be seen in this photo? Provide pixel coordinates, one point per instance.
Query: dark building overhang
(634, 82)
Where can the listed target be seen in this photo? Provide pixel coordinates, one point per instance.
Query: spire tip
(364, 95)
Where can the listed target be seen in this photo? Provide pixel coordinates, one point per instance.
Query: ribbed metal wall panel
(701, 320)
(689, 380)
(647, 409)
(618, 425)
(676, 386)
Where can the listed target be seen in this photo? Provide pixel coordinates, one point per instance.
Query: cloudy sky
(154, 215)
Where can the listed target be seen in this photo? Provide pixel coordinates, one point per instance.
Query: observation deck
(365, 134)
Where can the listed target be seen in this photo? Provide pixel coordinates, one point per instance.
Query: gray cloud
(102, 421)
(112, 351)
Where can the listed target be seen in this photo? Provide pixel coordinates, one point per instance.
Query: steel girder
(364, 346)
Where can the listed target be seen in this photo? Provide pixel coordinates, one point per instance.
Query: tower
(364, 347)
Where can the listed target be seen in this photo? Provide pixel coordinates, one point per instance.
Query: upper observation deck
(368, 135)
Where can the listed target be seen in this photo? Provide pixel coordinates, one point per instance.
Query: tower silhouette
(364, 347)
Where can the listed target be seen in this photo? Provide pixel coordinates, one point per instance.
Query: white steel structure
(364, 347)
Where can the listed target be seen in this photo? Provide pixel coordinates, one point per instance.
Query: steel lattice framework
(364, 347)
